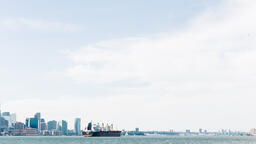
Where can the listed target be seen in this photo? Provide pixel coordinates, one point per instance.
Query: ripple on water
(128, 140)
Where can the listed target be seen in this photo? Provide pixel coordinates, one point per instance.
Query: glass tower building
(78, 126)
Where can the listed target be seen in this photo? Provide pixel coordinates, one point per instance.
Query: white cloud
(205, 68)
(208, 49)
(20, 24)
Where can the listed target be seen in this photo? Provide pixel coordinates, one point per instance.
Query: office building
(43, 125)
(59, 126)
(11, 118)
(52, 125)
(78, 126)
(32, 123)
(19, 126)
(64, 127)
(38, 117)
(3, 123)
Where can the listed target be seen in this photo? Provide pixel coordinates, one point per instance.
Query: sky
(156, 65)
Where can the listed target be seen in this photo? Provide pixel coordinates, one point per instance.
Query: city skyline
(156, 65)
(59, 128)
(62, 126)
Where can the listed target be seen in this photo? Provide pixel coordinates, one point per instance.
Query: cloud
(205, 68)
(211, 51)
(20, 24)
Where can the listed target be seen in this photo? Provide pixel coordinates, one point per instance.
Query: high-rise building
(78, 126)
(11, 118)
(3, 123)
(43, 125)
(38, 117)
(32, 123)
(64, 129)
(52, 125)
(59, 126)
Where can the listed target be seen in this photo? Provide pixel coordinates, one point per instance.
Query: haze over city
(156, 65)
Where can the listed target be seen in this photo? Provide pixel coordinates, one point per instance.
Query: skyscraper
(11, 118)
(34, 122)
(59, 126)
(64, 127)
(38, 117)
(43, 125)
(52, 125)
(3, 123)
(78, 126)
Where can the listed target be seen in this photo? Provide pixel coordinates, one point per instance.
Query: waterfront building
(64, 127)
(11, 118)
(59, 126)
(43, 125)
(24, 132)
(19, 125)
(38, 117)
(34, 122)
(52, 125)
(78, 126)
(3, 123)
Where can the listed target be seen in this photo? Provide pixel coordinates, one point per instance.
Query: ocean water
(128, 140)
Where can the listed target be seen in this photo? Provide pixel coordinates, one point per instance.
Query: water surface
(128, 140)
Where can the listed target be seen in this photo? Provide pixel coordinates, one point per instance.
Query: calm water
(128, 140)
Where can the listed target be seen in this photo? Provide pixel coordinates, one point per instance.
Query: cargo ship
(100, 131)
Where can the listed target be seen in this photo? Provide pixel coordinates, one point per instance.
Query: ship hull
(102, 134)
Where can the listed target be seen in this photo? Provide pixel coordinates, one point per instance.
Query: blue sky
(169, 60)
